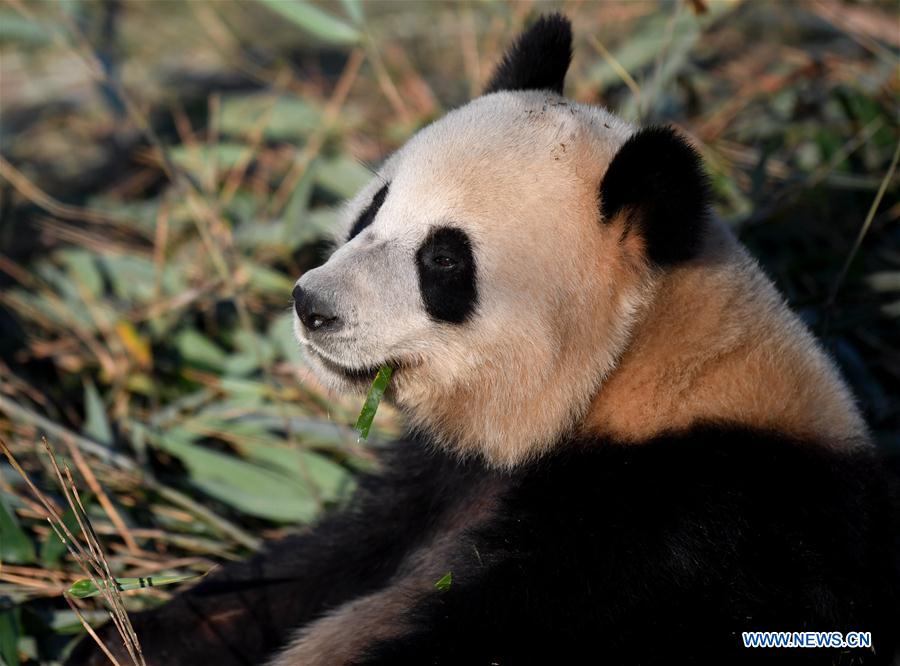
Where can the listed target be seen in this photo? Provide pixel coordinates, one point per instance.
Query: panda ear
(538, 59)
(657, 180)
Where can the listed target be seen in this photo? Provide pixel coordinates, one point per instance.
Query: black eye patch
(447, 275)
(365, 218)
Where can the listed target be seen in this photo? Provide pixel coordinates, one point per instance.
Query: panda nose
(314, 313)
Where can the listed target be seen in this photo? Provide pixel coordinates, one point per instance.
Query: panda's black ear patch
(368, 215)
(657, 179)
(539, 58)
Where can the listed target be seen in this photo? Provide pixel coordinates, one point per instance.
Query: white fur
(561, 297)
(518, 172)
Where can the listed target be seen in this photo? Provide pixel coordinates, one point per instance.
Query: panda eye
(444, 261)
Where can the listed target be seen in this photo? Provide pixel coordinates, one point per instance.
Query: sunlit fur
(718, 343)
(574, 330)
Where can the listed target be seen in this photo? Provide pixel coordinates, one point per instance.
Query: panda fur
(623, 446)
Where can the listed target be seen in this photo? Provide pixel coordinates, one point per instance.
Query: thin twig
(864, 229)
(43, 200)
(618, 68)
(91, 560)
(791, 190)
(237, 172)
(108, 507)
(317, 140)
(105, 581)
(385, 82)
(88, 628)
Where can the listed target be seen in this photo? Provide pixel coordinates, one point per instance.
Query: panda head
(500, 257)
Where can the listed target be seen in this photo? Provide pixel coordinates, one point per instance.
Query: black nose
(314, 313)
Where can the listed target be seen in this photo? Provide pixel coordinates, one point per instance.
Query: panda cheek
(449, 294)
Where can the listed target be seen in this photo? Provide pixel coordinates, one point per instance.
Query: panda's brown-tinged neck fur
(718, 343)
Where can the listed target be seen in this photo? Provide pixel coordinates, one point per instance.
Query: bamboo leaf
(83, 588)
(342, 176)
(268, 280)
(15, 28)
(281, 332)
(247, 487)
(444, 582)
(884, 281)
(201, 160)
(298, 205)
(96, 425)
(15, 546)
(137, 347)
(199, 350)
(354, 9)
(9, 636)
(373, 399)
(314, 20)
(287, 118)
(81, 266)
(330, 479)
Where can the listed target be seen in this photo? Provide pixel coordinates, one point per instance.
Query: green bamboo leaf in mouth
(373, 398)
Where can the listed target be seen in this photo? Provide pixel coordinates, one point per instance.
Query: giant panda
(623, 447)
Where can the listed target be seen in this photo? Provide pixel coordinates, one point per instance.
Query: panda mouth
(359, 375)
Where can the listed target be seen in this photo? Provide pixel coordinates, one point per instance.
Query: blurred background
(168, 169)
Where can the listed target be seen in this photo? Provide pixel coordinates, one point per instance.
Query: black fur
(365, 218)
(657, 179)
(539, 58)
(665, 552)
(447, 275)
(657, 553)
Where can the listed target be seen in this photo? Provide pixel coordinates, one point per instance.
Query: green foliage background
(169, 169)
